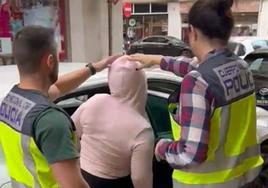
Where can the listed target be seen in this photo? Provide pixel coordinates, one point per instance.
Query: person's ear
(194, 33)
(49, 61)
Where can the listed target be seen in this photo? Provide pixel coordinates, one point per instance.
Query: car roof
(260, 51)
(245, 38)
(10, 77)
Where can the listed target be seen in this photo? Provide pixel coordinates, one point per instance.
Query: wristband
(91, 68)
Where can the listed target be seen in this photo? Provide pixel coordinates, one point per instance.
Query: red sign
(127, 9)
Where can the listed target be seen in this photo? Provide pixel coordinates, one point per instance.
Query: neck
(34, 82)
(208, 47)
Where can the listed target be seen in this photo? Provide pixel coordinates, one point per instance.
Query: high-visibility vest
(233, 157)
(26, 164)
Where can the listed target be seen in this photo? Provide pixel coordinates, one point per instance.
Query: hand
(160, 149)
(99, 66)
(146, 60)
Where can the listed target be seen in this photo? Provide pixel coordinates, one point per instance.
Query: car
(242, 46)
(162, 45)
(160, 85)
(258, 61)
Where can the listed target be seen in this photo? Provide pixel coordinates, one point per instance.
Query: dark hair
(30, 45)
(213, 17)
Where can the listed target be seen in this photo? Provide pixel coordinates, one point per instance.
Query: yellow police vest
(233, 151)
(26, 164)
(227, 158)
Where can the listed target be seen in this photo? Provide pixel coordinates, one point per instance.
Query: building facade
(150, 21)
(88, 30)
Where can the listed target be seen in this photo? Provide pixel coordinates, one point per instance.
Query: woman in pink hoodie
(117, 142)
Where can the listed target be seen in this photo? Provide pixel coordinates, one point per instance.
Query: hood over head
(128, 84)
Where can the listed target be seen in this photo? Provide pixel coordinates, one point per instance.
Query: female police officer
(214, 124)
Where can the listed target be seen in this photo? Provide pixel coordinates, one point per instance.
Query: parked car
(258, 61)
(242, 46)
(160, 85)
(163, 45)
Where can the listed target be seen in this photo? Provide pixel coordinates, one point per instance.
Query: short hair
(30, 45)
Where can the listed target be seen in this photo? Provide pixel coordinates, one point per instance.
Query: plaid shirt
(196, 107)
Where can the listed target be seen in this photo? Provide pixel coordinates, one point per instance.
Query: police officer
(214, 112)
(37, 137)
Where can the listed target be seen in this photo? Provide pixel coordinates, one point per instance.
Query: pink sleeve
(76, 117)
(141, 160)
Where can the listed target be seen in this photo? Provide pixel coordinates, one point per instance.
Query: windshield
(257, 44)
(259, 66)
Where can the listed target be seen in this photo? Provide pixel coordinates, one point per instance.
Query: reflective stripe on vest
(26, 165)
(235, 183)
(233, 150)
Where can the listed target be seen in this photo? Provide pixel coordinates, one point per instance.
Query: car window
(237, 48)
(257, 44)
(73, 100)
(259, 66)
(232, 46)
(156, 39)
(176, 41)
(165, 86)
(157, 111)
(150, 39)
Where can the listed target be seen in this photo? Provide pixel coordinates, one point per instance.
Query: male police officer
(38, 137)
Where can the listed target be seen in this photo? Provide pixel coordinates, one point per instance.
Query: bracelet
(91, 68)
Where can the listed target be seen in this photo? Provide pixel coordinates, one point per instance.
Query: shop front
(15, 14)
(146, 20)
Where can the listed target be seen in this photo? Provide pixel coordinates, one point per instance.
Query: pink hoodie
(116, 139)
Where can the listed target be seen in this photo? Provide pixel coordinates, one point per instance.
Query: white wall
(117, 28)
(90, 32)
(263, 19)
(77, 30)
(174, 20)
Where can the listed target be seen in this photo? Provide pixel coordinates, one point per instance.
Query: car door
(157, 110)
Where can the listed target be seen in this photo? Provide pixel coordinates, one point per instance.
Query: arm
(76, 117)
(194, 117)
(72, 80)
(68, 82)
(61, 154)
(141, 160)
(67, 174)
(179, 66)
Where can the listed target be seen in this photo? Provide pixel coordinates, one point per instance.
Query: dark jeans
(97, 182)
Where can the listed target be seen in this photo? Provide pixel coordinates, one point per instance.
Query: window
(142, 8)
(157, 110)
(158, 7)
(72, 101)
(156, 39)
(237, 48)
(259, 44)
(163, 86)
(259, 66)
(232, 46)
(150, 39)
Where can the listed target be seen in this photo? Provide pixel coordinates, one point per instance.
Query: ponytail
(213, 17)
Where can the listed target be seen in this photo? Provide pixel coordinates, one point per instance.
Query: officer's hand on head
(146, 60)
